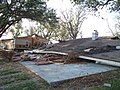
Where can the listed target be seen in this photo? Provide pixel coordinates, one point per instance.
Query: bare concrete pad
(55, 73)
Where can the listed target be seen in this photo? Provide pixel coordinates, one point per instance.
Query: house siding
(27, 42)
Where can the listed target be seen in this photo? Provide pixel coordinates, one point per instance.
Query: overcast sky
(91, 23)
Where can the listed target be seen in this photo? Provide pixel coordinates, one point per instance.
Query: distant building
(27, 42)
(6, 43)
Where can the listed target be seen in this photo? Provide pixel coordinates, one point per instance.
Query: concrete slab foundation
(55, 73)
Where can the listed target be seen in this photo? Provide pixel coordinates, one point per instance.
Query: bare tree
(117, 26)
(73, 20)
(110, 28)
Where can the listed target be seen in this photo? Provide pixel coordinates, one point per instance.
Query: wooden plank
(102, 61)
(51, 52)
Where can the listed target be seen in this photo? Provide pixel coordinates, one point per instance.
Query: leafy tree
(114, 4)
(57, 32)
(32, 30)
(60, 33)
(72, 21)
(45, 30)
(12, 11)
(16, 29)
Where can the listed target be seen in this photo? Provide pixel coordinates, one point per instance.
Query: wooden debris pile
(49, 59)
(22, 57)
(45, 59)
(72, 57)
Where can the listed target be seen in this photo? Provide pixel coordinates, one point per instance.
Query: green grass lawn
(31, 85)
(11, 78)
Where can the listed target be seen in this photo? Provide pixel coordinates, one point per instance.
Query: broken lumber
(50, 52)
(101, 61)
(43, 62)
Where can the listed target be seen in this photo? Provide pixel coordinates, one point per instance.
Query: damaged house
(23, 43)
